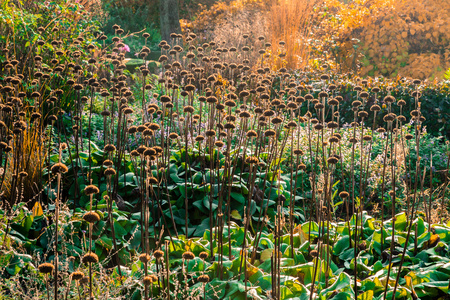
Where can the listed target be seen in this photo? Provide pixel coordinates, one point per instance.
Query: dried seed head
(77, 275)
(147, 280)
(46, 268)
(110, 172)
(158, 254)
(59, 168)
(314, 253)
(203, 255)
(90, 258)
(145, 258)
(203, 278)
(110, 148)
(332, 160)
(343, 194)
(251, 160)
(91, 217)
(188, 255)
(91, 189)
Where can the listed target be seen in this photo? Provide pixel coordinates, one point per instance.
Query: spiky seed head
(375, 107)
(91, 189)
(269, 133)
(251, 160)
(145, 258)
(367, 138)
(158, 254)
(110, 148)
(332, 160)
(401, 102)
(77, 275)
(364, 95)
(203, 255)
(90, 258)
(363, 114)
(46, 268)
(110, 172)
(343, 194)
(389, 99)
(152, 180)
(188, 255)
(203, 278)
(147, 280)
(59, 168)
(91, 217)
(389, 117)
(108, 163)
(84, 280)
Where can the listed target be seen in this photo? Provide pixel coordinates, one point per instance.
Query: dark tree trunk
(170, 20)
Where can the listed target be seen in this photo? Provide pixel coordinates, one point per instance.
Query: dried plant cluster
(281, 183)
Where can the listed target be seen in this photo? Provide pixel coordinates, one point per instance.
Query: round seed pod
(363, 114)
(269, 133)
(90, 258)
(59, 168)
(401, 102)
(109, 148)
(91, 217)
(344, 194)
(332, 160)
(203, 255)
(147, 280)
(389, 117)
(188, 255)
(46, 268)
(314, 253)
(375, 108)
(251, 133)
(110, 172)
(389, 99)
(364, 95)
(91, 189)
(158, 254)
(77, 275)
(145, 258)
(251, 160)
(203, 278)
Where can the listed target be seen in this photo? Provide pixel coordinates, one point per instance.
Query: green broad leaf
(238, 197)
(342, 282)
(104, 242)
(119, 230)
(341, 245)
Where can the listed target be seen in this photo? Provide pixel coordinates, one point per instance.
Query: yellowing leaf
(37, 210)
(235, 214)
(366, 296)
(265, 255)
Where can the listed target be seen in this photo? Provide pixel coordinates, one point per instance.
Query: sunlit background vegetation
(264, 149)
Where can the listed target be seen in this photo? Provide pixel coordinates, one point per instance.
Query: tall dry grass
(289, 22)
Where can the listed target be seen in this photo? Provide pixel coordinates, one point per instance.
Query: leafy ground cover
(222, 176)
